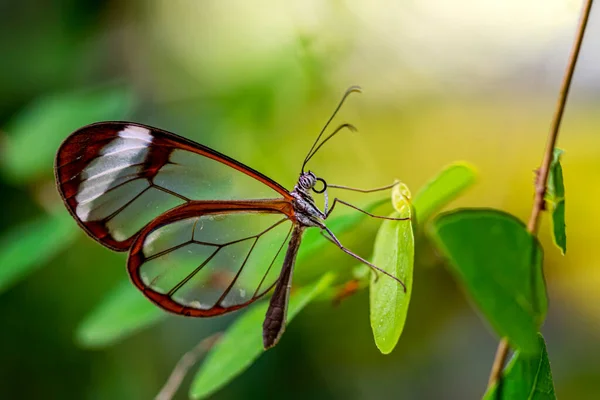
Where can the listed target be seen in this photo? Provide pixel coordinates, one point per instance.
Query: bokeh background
(443, 81)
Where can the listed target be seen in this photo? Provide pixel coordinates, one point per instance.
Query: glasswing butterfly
(140, 189)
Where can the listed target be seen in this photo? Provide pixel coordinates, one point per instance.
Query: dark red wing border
(194, 209)
(85, 145)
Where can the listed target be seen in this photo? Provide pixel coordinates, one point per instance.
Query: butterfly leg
(352, 189)
(331, 237)
(336, 200)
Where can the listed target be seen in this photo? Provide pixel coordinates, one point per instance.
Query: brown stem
(542, 173)
(499, 360)
(542, 176)
(183, 365)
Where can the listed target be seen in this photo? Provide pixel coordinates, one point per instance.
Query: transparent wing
(116, 177)
(208, 261)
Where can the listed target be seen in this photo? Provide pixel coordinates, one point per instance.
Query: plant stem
(499, 360)
(185, 363)
(542, 176)
(543, 171)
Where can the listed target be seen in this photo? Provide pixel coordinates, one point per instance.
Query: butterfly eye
(324, 188)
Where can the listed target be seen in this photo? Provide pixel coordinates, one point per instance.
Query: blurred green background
(443, 81)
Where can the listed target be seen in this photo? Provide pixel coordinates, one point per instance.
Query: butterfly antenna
(351, 89)
(339, 128)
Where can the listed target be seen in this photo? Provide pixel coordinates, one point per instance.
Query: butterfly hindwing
(208, 258)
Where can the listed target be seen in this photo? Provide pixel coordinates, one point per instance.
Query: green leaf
(555, 198)
(123, 312)
(500, 265)
(558, 226)
(442, 189)
(242, 343)
(35, 135)
(556, 185)
(29, 246)
(394, 253)
(525, 377)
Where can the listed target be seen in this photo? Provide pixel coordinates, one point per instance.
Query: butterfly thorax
(307, 212)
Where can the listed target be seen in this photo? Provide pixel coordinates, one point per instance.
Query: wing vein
(192, 274)
(172, 193)
(226, 292)
(270, 266)
(166, 251)
(137, 196)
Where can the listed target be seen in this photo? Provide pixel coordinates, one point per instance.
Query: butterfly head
(308, 180)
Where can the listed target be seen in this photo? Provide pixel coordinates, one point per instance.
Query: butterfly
(196, 248)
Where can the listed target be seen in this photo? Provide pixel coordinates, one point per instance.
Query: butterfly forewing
(211, 261)
(116, 177)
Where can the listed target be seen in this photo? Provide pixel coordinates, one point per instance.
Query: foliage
(525, 377)
(394, 253)
(123, 312)
(48, 234)
(443, 188)
(242, 344)
(555, 198)
(500, 265)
